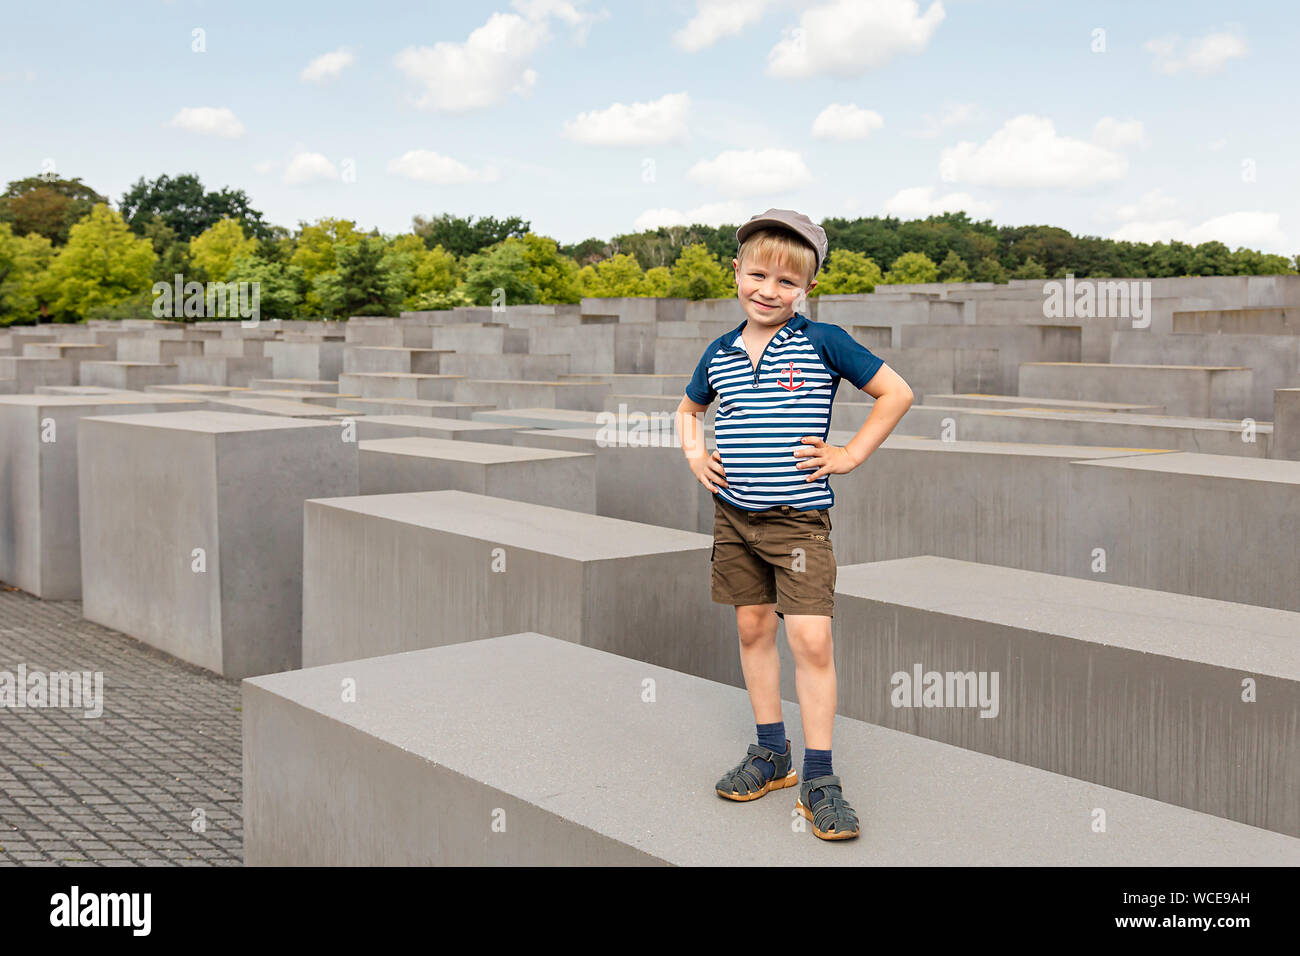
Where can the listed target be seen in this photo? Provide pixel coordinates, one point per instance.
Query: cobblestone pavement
(133, 785)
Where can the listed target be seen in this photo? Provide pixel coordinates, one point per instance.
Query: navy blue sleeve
(698, 388)
(846, 357)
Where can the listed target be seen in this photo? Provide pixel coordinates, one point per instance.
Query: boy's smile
(768, 291)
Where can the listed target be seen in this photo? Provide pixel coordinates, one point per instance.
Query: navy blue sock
(771, 736)
(816, 763)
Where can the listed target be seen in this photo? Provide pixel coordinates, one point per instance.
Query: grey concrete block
(309, 360)
(1130, 688)
(27, 372)
(1215, 526)
(637, 384)
(407, 426)
(416, 770)
(388, 573)
(1108, 429)
(155, 487)
(1286, 424)
(1197, 391)
(1014, 344)
(542, 417)
(1017, 401)
(585, 396)
(387, 358)
(39, 549)
(439, 388)
(650, 483)
(412, 406)
(495, 366)
(559, 479)
(221, 370)
(136, 376)
(279, 408)
(301, 384)
(156, 351)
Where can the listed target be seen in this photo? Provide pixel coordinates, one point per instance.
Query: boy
(776, 374)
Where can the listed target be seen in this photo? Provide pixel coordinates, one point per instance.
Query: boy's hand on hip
(709, 470)
(827, 459)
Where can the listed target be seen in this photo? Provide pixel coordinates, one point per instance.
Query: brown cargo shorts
(781, 555)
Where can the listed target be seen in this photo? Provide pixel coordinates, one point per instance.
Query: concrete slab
(541, 417)
(388, 573)
(975, 400)
(136, 376)
(424, 768)
(156, 487)
(1126, 687)
(407, 426)
(412, 406)
(1286, 424)
(1216, 526)
(503, 393)
(558, 479)
(39, 536)
(400, 385)
(1201, 391)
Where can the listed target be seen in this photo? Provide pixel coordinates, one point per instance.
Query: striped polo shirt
(765, 411)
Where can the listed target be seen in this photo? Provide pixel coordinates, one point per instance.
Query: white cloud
(209, 121)
(954, 115)
(710, 214)
(428, 167)
(1255, 230)
(1027, 152)
(306, 167)
(845, 121)
(326, 66)
(848, 37)
(1154, 205)
(580, 20)
(752, 171)
(1217, 144)
(715, 19)
(1111, 133)
(920, 201)
(491, 64)
(636, 124)
(1203, 55)
(264, 167)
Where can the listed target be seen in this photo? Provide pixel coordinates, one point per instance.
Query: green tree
(554, 275)
(1029, 269)
(280, 287)
(847, 273)
(1211, 259)
(184, 205)
(23, 261)
(954, 268)
(656, 282)
(362, 283)
(614, 277)
(912, 267)
(990, 270)
(464, 237)
(499, 275)
(697, 274)
(215, 249)
(48, 207)
(102, 263)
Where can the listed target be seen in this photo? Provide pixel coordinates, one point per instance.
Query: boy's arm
(690, 427)
(893, 398)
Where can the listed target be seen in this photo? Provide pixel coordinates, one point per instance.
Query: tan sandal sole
(789, 780)
(825, 835)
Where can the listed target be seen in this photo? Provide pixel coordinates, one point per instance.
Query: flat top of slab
(1125, 418)
(402, 375)
(546, 530)
(134, 364)
(472, 452)
(548, 382)
(1276, 470)
(1036, 402)
(278, 405)
(559, 414)
(210, 422)
(107, 398)
(435, 423)
(1199, 368)
(1031, 450)
(1237, 636)
(197, 389)
(553, 723)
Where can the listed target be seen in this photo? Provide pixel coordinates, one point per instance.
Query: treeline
(67, 255)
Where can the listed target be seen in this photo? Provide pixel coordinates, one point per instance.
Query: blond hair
(782, 247)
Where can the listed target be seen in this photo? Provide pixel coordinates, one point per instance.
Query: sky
(1145, 120)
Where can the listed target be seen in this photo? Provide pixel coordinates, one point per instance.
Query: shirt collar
(794, 323)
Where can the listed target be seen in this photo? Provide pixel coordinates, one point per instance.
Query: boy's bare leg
(757, 624)
(809, 636)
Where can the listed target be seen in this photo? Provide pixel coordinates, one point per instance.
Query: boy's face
(767, 291)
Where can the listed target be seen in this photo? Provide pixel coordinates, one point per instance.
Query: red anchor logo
(792, 385)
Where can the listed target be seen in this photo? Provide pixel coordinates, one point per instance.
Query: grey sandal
(745, 781)
(832, 817)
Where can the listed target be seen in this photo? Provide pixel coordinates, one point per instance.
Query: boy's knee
(814, 648)
(756, 623)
